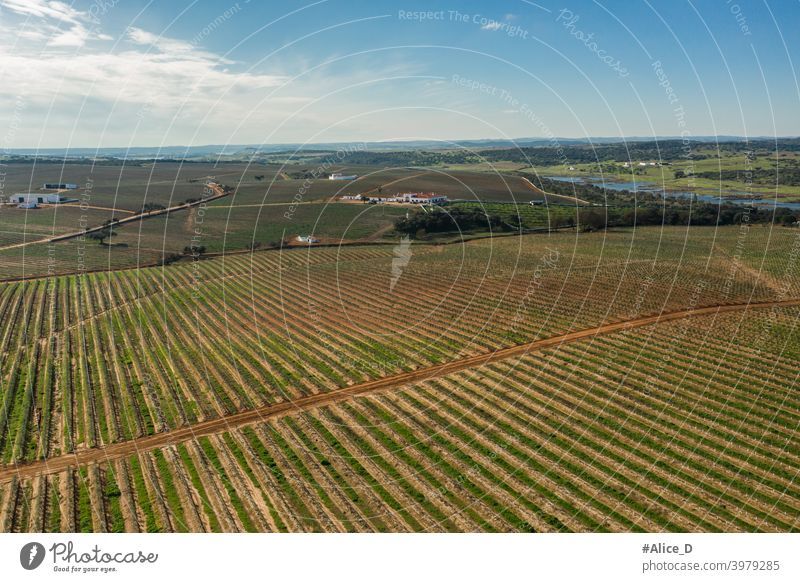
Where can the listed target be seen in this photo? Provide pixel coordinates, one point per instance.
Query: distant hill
(155, 152)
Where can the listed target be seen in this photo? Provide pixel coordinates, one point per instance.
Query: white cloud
(162, 43)
(43, 9)
(129, 76)
(56, 23)
(79, 89)
(157, 69)
(72, 80)
(492, 25)
(75, 36)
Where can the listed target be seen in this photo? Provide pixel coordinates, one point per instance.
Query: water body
(616, 186)
(652, 188)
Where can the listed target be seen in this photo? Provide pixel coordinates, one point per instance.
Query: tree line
(587, 218)
(772, 177)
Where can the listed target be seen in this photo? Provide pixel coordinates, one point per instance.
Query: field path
(759, 274)
(403, 179)
(219, 192)
(124, 449)
(543, 193)
(93, 207)
(378, 233)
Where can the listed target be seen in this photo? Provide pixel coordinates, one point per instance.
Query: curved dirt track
(125, 449)
(538, 190)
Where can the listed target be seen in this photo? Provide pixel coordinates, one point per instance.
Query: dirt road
(760, 275)
(219, 192)
(126, 448)
(533, 187)
(399, 180)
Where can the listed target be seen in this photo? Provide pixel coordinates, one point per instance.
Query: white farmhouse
(36, 198)
(378, 199)
(420, 198)
(403, 198)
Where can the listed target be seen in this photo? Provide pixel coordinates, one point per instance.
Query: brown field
(128, 186)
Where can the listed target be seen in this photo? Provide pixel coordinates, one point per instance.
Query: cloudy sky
(117, 73)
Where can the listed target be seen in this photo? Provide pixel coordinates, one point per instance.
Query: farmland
(268, 205)
(128, 185)
(764, 176)
(682, 425)
(19, 225)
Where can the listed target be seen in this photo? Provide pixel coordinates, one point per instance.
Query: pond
(653, 188)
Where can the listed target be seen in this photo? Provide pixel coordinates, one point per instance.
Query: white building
(404, 198)
(36, 198)
(338, 176)
(380, 198)
(59, 186)
(308, 239)
(420, 198)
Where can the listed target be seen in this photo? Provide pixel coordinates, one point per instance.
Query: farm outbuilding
(60, 186)
(36, 198)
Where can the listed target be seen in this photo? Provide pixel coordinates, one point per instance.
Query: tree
(194, 250)
(168, 259)
(152, 206)
(594, 221)
(102, 234)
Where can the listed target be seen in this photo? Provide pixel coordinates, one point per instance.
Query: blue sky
(107, 73)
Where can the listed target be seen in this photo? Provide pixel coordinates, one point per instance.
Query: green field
(269, 204)
(664, 176)
(19, 225)
(608, 433)
(597, 432)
